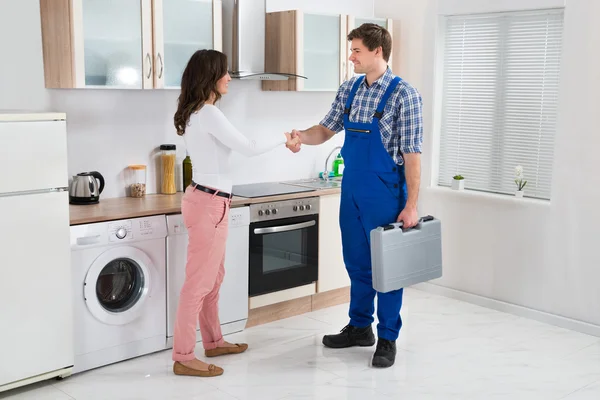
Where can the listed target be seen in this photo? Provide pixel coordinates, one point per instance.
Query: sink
(321, 184)
(317, 183)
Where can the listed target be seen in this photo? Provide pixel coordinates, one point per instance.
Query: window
(500, 100)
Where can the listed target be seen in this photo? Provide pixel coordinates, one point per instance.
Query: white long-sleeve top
(210, 138)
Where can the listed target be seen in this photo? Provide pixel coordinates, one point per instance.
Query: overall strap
(390, 89)
(352, 93)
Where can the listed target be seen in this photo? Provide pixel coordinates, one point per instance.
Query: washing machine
(233, 295)
(119, 290)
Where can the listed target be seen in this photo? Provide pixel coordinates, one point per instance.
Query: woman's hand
(293, 142)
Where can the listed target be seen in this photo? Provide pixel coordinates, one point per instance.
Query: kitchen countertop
(155, 204)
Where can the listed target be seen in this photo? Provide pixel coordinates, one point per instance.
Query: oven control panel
(284, 209)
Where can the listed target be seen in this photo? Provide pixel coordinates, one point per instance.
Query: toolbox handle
(399, 224)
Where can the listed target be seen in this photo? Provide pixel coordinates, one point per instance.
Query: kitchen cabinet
(305, 44)
(332, 270)
(125, 44)
(182, 27)
(354, 22)
(311, 45)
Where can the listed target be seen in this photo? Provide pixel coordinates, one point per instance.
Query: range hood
(248, 27)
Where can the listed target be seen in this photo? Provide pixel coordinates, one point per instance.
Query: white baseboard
(541, 316)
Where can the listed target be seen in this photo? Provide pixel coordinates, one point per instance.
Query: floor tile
(37, 391)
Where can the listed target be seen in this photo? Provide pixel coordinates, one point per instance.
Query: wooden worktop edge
(156, 204)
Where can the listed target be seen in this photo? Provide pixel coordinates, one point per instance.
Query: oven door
(283, 253)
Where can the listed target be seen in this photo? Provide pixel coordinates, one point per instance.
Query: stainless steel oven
(284, 245)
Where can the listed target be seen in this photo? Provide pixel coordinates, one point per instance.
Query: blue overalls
(373, 194)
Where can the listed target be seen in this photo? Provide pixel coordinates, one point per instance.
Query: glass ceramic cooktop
(267, 189)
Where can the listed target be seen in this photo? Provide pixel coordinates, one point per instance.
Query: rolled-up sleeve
(334, 120)
(410, 121)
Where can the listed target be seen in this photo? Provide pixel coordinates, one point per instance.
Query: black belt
(210, 191)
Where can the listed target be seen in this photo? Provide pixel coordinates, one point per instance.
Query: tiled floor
(447, 350)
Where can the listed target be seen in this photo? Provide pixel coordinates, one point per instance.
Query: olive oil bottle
(187, 171)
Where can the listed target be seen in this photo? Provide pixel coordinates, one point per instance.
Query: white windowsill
(475, 194)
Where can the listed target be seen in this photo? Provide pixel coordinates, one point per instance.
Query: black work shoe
(350, 336)
(385, 355)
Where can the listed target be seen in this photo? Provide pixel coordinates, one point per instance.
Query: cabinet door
(379, 21)
(322, 52)
(355, 22)
(113, 42)
(332, 270)
(181, 27)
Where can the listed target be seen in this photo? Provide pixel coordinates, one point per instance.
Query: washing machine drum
(118, 284)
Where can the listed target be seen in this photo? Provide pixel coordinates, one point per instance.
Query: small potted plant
(519, 181)
(458, 182)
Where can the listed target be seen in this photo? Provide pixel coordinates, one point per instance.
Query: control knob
(274, 211)
(268, 212)
(260, 213)
(301, 208)
(295, 208)
(121, 233)
(308, 207)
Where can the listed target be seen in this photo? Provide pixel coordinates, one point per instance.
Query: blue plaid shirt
(401, 126)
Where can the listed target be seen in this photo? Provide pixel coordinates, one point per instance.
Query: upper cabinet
(305, 44)
(125, 44)
(314, 46)
(180, 28)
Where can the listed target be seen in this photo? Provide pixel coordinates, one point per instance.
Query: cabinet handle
(162, 65)
(149, 65)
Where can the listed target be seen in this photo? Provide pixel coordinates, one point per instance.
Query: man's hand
(313, 136)
(297, 134)
(408, 217)
(293, 141)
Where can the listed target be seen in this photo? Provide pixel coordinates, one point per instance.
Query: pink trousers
(206, 217)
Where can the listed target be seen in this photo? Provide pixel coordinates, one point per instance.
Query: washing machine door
(118, 284)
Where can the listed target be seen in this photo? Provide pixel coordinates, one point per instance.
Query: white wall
(540, 255)
(109, 129)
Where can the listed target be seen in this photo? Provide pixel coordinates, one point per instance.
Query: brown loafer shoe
(180, 369)
(220, 351)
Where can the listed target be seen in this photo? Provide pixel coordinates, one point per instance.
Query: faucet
(326, 170)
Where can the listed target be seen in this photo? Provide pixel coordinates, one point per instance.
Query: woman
(209, 139)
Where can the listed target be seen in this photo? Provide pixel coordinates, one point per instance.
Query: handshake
(293, 141)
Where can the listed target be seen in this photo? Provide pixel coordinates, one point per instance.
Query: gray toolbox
(403, 257)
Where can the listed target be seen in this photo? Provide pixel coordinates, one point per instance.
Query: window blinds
(500, 98)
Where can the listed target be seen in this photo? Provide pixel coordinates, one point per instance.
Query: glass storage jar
(168, 159)
(137, 180)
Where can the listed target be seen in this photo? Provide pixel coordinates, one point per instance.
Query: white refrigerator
(36, 313)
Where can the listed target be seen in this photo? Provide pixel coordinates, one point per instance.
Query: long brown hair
(198, 83)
